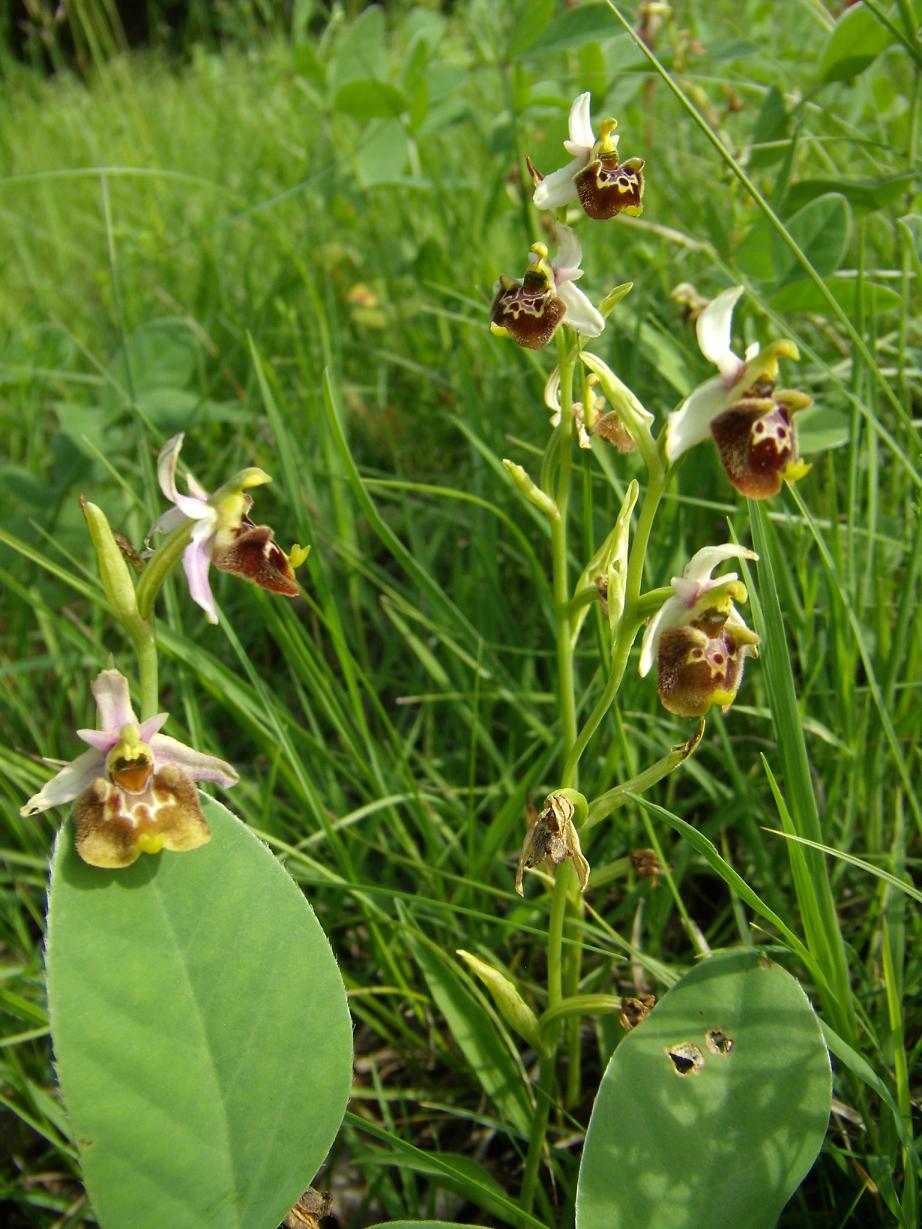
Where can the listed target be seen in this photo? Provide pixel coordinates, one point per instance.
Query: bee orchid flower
(134, 788)
(531, 310)
(222, 532)
(698, 639)
(603, 186)
(750, 421)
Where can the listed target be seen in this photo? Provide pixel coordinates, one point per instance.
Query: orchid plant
(695, 635)
(166, 1032)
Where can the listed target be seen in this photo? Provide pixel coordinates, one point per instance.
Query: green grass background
(190, 235)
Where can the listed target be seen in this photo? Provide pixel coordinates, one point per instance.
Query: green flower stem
(628, 625)
(145, 648)
(581, 1005)
(159, 567)
(561, 450)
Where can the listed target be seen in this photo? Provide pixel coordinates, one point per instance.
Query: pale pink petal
(150, 727)
(582, 137)
(193, 508)
(196, 561)
(558, 188)
(102, 740)
(67, 784)
(195, 764)
(110, 688)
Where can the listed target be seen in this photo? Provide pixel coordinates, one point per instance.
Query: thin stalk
(145, 648)
(567, 709)
(627, 627)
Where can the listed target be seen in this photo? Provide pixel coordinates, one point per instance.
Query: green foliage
(391, 728)
(181, 991)
(714, 1108)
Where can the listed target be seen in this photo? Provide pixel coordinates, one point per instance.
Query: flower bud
(113, 570)
(510, 1004)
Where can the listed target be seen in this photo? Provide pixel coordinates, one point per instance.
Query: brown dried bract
(552, 839)
(634, 1011)
(646, 864)
(310, 1209)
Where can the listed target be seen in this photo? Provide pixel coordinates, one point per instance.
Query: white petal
(691, 422)
(195, 764)
(714, 331)
(671, 613)
(558, 188)
(552, 391)
(568, 256)
(69, 782)
(702, 564)
(581, 315)
(581, 134)
(194, 508)
(110, 688)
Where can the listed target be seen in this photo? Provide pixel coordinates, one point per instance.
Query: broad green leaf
(729, 1141)
(773, 124)
(574, 27)
(370, 100)
(864, 194)
(160, 354)
(530, 18)
(856, 41)
(201, 1032)
(805, 296)
(821, 232)
(384, 153)
(821, 428)
(476, 1035)
(362, 51)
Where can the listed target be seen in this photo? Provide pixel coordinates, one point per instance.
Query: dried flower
(552, 839)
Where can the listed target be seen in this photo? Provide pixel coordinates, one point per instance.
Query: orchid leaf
(201, 1032)
(713, 1109)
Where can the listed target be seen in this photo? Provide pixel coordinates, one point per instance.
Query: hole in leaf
(719, 1042)
(686, 1058)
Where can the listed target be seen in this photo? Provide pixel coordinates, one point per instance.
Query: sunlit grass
(391, 728)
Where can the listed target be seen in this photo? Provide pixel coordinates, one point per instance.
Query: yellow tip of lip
(298, 554)
(498, 330)
(150, 842)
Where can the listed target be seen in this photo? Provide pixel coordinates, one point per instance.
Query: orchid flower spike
(603, 186)
(530, 311)
(134, 788)
(698, 639)
(751, 423)
(222, 532)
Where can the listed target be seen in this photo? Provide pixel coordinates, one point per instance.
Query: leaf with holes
(714, 1108)
(201, 1032)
